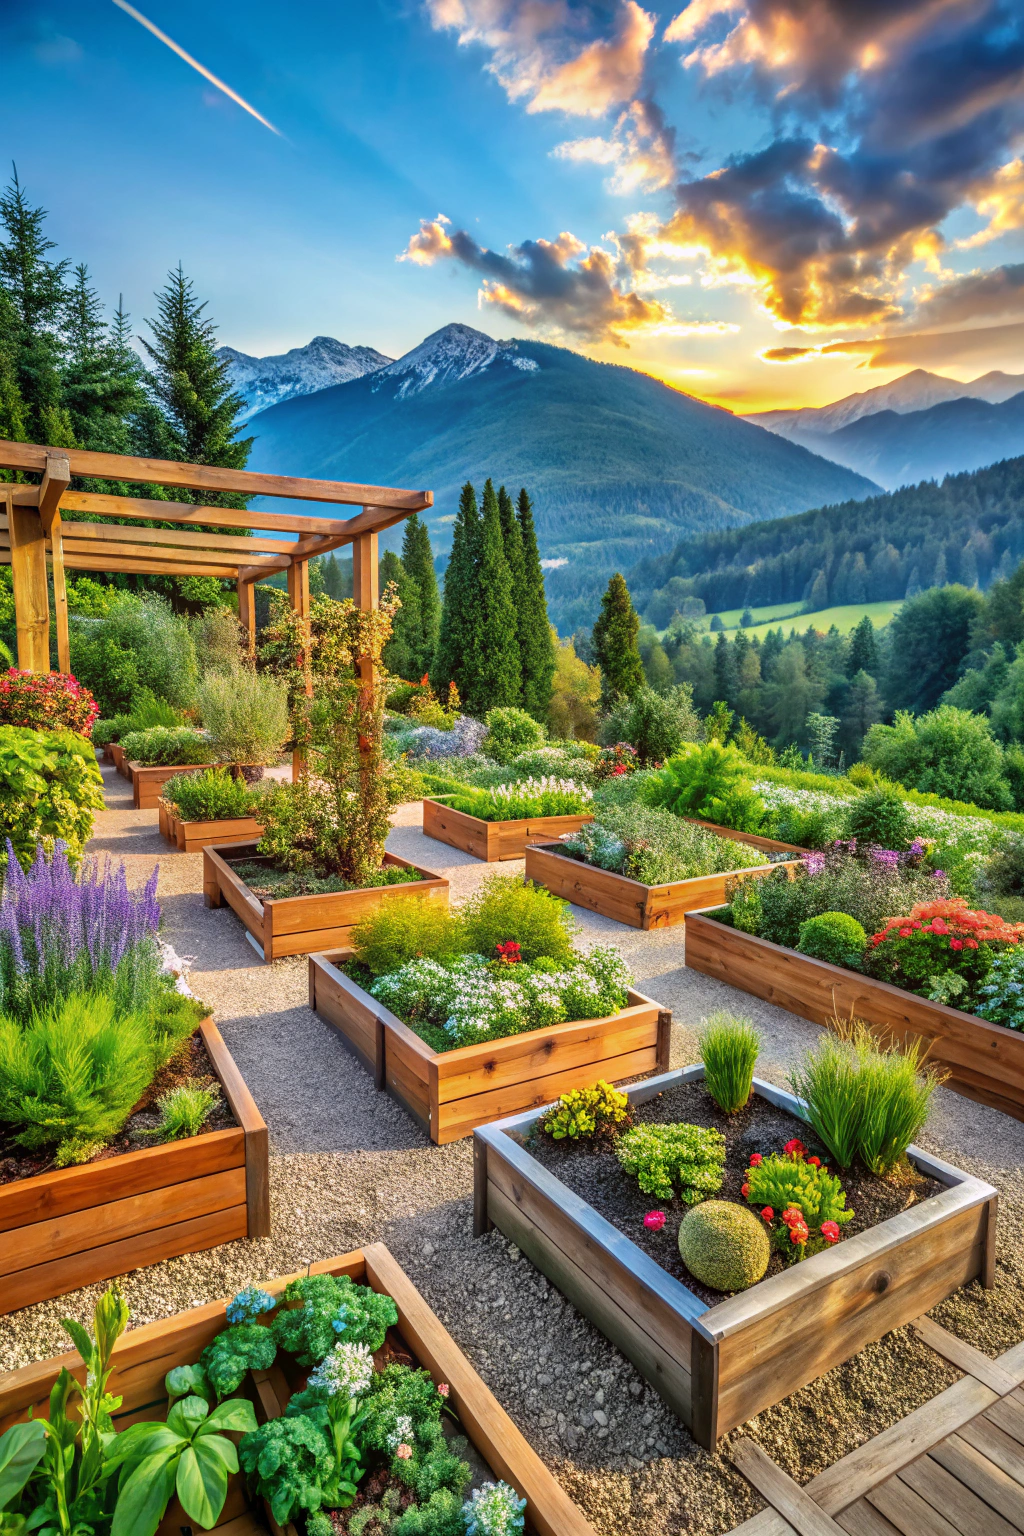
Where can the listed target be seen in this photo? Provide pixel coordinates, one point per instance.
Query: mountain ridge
(322, 362)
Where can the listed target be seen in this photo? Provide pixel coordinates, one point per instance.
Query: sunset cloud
(640, 149)
(556, 55)
(919, 349)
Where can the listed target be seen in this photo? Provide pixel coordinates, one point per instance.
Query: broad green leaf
(21, 1450)
(187, 1381)
(144, 1497)
(218, 1445)
(202, 1484)
(79, 1337)
(187, 1415)
(140, 1440)
(236, 1414)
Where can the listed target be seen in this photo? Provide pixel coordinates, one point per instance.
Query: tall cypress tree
(402, 652)
(536, 648)
(863, 650)
(615, 647)
(193, 386)
(500, 675)
(37, 291)
(13, 417)
(418, 559)
(457, 659)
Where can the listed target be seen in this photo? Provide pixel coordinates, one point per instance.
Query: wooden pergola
(38, 526)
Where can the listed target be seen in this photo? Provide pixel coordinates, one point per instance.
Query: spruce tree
(536, 647)
(418, 559)
(37, 291)
(457, 658)
(863, 650)
(13, 417)
(102, 382)
(192, 384)
(500, 673)
(615, 648)
(402, 652)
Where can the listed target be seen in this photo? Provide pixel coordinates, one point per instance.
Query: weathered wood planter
(625, 900)
(117, 758)
(985, 1061)
(148, 783)
(74, 1226)
(143, 1356)
(717, 1366)
(493, 840)
(298, 925)
(766, 844)
(450, 1093)
(193, 836)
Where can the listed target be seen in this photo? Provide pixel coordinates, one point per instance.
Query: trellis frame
(35, 527)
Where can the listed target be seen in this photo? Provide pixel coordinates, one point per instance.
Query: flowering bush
(494, 1510)
(615, 761)
(937, 937)
(462, 739)
(545, 796)
(46, 701)
(1001, 999)
(803, 1204)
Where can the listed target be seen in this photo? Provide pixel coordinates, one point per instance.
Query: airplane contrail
(207, 74)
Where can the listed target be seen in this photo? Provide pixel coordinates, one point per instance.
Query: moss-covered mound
(724, 1245)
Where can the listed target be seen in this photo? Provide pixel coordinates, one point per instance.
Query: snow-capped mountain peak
(454, 352)
(265, 381)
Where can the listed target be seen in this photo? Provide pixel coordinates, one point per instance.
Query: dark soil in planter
(190, 1061)
(596, 1176)
(268, 883)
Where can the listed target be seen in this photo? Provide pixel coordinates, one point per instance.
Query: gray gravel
(349, 1167)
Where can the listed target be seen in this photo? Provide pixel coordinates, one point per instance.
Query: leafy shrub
(50, 785)
(864, 1100)
(710, 782)
(212, 795)
(139, 643)
(505, 907)
(509, 732)
(334, 1309)
(939, 936)
(1001, 999)
(46, 701)
(729, 1049)
(286, 1461)
(654, 846)
(664, 1158)
(778, 1187)
(1004, 870)
(656, 724)
(462, 739)
(146, 710)
(880, 817)
(185, 1109)
(246, 714)
(546, 796)
(587, 1113)
(947, 752)
(724, 1245)
(833, 936)
(166, 745)
(400, 931)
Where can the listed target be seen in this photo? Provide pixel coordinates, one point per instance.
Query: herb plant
(333, 1310)
(665, 1159)
(494, 1510)
(245, 713)
(587, 1113)
(212, 795)
(545, 796)
(163, 745)
(654, 846)
(505, 907)
(185, 1109)
(729, 1048)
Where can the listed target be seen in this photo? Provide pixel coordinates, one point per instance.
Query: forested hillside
(968, 529)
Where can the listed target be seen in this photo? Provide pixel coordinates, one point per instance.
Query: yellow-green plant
(588, 1112)
(664, 1158)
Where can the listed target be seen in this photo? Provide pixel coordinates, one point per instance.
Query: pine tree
(725, 670)
(418, 559)
(615, 648)
(512, 540)
(36, 288)
(402, 652)
(536, 647)
(500, 672)
(863, 655)
(333, 584)
(192, 385)
(102, 380)
(457, 657)
(13, 417)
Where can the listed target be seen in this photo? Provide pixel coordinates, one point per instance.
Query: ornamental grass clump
(728, 1048)
(667, 1161)
(185, 1109)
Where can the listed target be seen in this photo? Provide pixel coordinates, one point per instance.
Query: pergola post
(366, 595)
(298, 598)
(60, 595)
(28, 578)
(247, 614)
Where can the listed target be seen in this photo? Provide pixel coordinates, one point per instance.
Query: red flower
(794, 1148)
(957, 944)
(745, 1190)
(798, 1232)
(509, 953)
(905, 933)
(791, 1214)
(830, 1231)
(756, 1159)
(443, 1389)
(655, 1220)
(768, 1213)
(815, 1162)
(970, 943)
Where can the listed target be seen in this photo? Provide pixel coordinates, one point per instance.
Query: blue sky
(737, 177)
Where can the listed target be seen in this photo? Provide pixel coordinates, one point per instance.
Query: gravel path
(349, 1167)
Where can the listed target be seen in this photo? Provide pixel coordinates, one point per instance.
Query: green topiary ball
(724, 1245)
(834, 936)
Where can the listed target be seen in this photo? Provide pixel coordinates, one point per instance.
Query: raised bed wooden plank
(148, 782)
(494, 841)
(985, 1061)
(786, 1496)
(254, 1127)
(194, 836)
(625, 900)
(766, 844)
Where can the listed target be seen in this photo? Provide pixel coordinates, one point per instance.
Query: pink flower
(830, 1231)
(756, 1160)
(957, 944)
(655, 1220)
(404, 1452)
(443, 1389)
(815, 1162)
(767, 1213)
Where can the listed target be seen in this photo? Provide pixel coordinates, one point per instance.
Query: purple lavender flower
(916, 848)
(887, 857)
(814, 863)
(938, 874)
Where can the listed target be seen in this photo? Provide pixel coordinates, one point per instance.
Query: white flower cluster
(968, 835)
(494, 1510)
(474, 1002)
(402, 1434)
(348, 1369)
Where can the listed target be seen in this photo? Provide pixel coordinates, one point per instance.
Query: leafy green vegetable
(243, 1347)
(287, 1461)
(189, 1455)
(333, 1310)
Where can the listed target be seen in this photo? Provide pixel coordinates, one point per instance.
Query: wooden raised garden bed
(148, 783)
(985, 1061)
(766, 844)
(75, 1226)
(494, 840)
(298, 925)
(143, 1356)
(625, 900)
(193, 836)
(718, 1365)
(450, 1093)
(117, 758)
